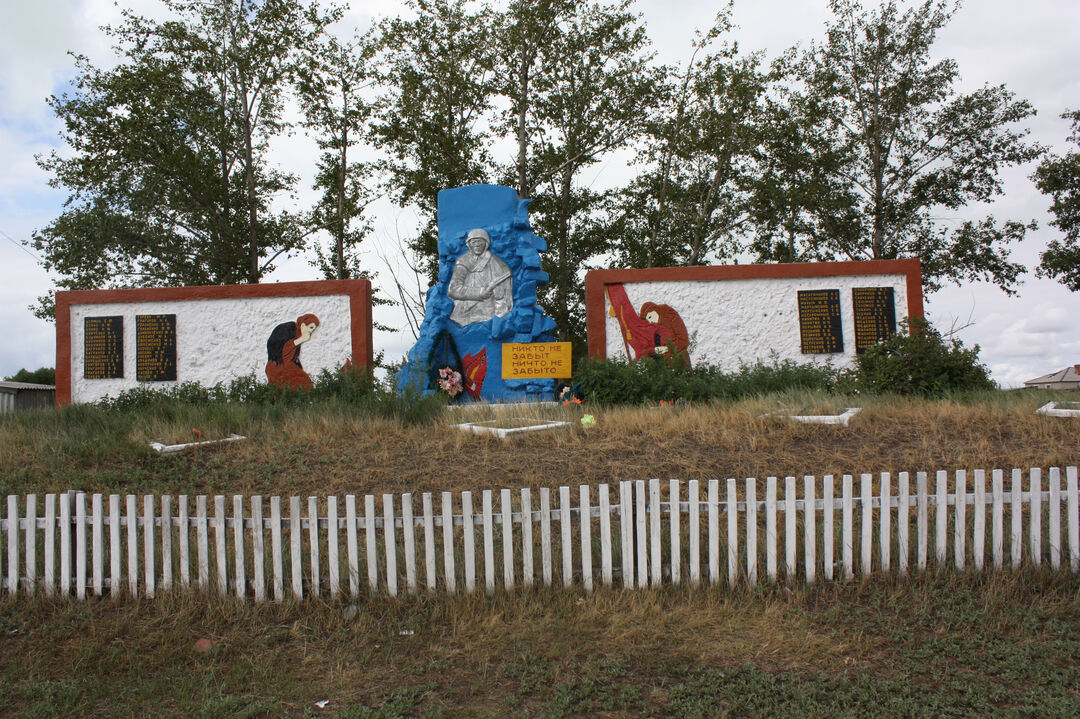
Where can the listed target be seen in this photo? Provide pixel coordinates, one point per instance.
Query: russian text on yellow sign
(536, 360)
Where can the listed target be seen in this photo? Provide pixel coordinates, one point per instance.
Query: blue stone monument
(489, 269)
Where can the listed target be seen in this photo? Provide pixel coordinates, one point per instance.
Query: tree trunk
(524, 191)
(562, 295)
(339, 247)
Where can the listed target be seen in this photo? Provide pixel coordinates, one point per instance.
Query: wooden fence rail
(632, 537)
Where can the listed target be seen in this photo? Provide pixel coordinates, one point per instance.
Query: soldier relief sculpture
(481, 283)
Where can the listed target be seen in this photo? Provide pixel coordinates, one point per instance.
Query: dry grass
(338, 451)
(950, 644)
(528, 654)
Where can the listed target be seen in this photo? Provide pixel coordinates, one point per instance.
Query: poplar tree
(906, 151)
(166, 159)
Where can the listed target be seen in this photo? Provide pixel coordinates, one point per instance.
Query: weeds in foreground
(1003, 644)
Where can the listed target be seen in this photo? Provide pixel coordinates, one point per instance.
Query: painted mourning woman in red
(283, 366)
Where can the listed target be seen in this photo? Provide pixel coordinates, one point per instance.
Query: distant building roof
(24, 385)
(1068, 378)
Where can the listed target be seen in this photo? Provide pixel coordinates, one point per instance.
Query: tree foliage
(903, 146)
(333, 90)
(591, 89)
(1059, 177)
(167, 171)
(690, 204)
(437, 75)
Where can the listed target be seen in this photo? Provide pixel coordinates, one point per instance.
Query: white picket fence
(710, 534)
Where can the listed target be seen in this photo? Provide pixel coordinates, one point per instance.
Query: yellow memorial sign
(536, 360)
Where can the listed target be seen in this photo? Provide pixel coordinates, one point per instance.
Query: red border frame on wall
(358, 291)
(596, 280)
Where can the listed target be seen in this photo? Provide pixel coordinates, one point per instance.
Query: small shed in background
(1068, 378)
(20, 396)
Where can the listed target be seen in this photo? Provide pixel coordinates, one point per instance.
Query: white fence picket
(313, 545)
(751, 532)
(655, 559)
(370, 543)
(49, 545)
(714, 531)
(885, 521)
(1016, 539)
(847, 537)
(1073, 508)
(770, 529)
(390, 543)
(81, 545)
(489, 542)
(828, 530)
(429, 541)
(941, 518)
(166, 543)
(352, 545)
(275, 549)
(296, 543)
(639, 526)
(585, 515)
(132, 546)
(449, 564)
(960, 519)
(922, 520)
(978, 543)
(65, 545)
(675, 532)
(903, 522)
(790, 517)
(408, 533)
(202, 542)
(506, 507)
(114, 543)
(333, 550)
(732, 533)
(239, 566)
(1035, 487)
(149, 568)
(997, 514)
(565, 530)
(545, 535)
(605, 534)
(30, 548)
(183, 538)
(866, 524)
(626, 533)
(220, 541)
(12, 527)
(469, 541)
(97, 515)
(694, 532)
(1054, 525)
(258, 548)
(809, 529)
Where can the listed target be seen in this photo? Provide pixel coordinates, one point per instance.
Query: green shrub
(352, 386)
(919, 361)
(621, 382)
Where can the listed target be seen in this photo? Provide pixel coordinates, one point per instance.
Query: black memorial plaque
(819, 322)
(103, 347)
(875, 315)
(155, 348)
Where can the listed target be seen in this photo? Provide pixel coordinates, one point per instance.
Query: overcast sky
(1032, 48)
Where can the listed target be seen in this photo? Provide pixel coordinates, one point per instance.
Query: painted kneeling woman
(283, 366)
